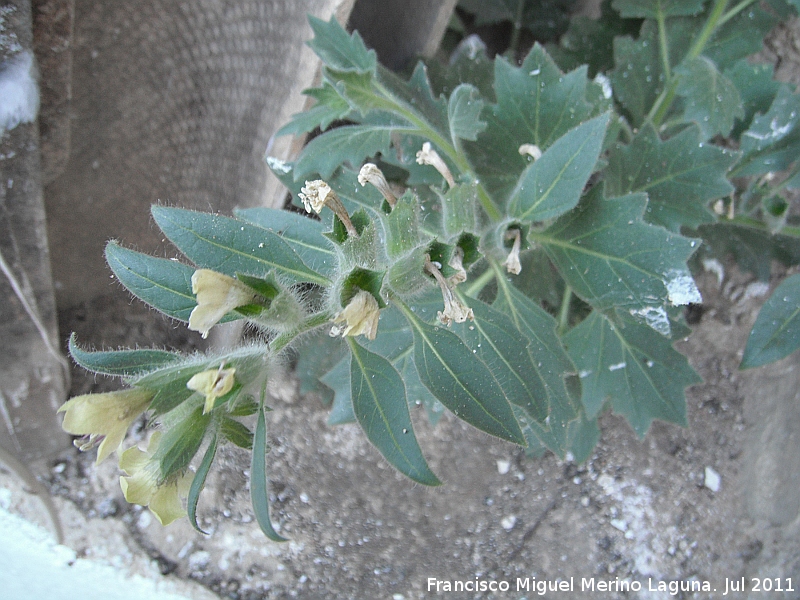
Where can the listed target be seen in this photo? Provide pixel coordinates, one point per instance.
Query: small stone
(503, 466)
(508, 522)
(712, 479)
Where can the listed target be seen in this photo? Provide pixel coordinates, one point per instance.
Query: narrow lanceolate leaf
(536, 104)
(120, 362)
(259, 493)
(461, 381)
(611, 257)
(380, 406)
(631, 366)
(553, 184)
(464, 111)
(163, 284)
(710, 99)
(304, 235)
(776, 332)
(231, 246)
(550, 361)
(652, 9)
(349, 144)
(681, 176)
(199, 482)
(340, 50)
(772, 142)
(497, 341)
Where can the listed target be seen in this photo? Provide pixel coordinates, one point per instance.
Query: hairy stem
(563, 313)
(312, 322)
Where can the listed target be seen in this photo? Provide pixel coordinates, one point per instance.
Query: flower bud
(217, 295)
(370, 173)
(512, 263)
(429, 156)
(531, 150)
(213, 384)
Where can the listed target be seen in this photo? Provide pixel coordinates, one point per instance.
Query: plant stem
(517, 27)
(761, 226)
(563, 313)
(664, 45)
(734, 11)
(312, 322)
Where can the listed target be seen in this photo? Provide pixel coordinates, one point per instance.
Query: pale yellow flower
(317, 194)
(104, 419)
(213, 384)
(360, 315)
(429, 156)
(142, 487)
(454, 309)
(512, 263)
(370, 173)
(217, 295)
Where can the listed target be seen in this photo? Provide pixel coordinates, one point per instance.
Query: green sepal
(236, 433)
(459, 210)
(199, 482)
(180, 443)
(406, 276)
(362, 250)
(776, 332)
(402, 226)
(123, 363)
(381, 408)
(362, 279)
(259, 495)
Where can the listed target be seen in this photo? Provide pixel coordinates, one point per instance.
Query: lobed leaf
(776, 332)
(680, 175)
(340, 50)
(611, 257)
(380, 406)
(463, 111)
(232, 246)
(330, 107)
(632, 367)
(772, 143)
(710, 99)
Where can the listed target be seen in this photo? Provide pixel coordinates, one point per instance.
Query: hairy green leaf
(259, 494)
(236, 433)
(553, 184)
(380, 406)
(638, 76)
(632, 367)
(536, 104)
(772, 143)
(611, 257)
(468, 64)
(464, 112)
(338, 380)
(330, 107)
(180, 443)
(680, 175)
(303, 234)
(120, 362)
(461, 381)
(776, 332)
(340, 50)
(757, 88)
(710, 99)
(163, 284)
(349, 144)
(232, 246)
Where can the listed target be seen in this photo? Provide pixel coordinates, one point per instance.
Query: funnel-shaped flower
(360, 315)
(217, 295)
(512, 263)
(317, 194)
(104, 419)
(454, 309)
(213, 384)
(429, 156)
(142, 485)
(370, 173)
